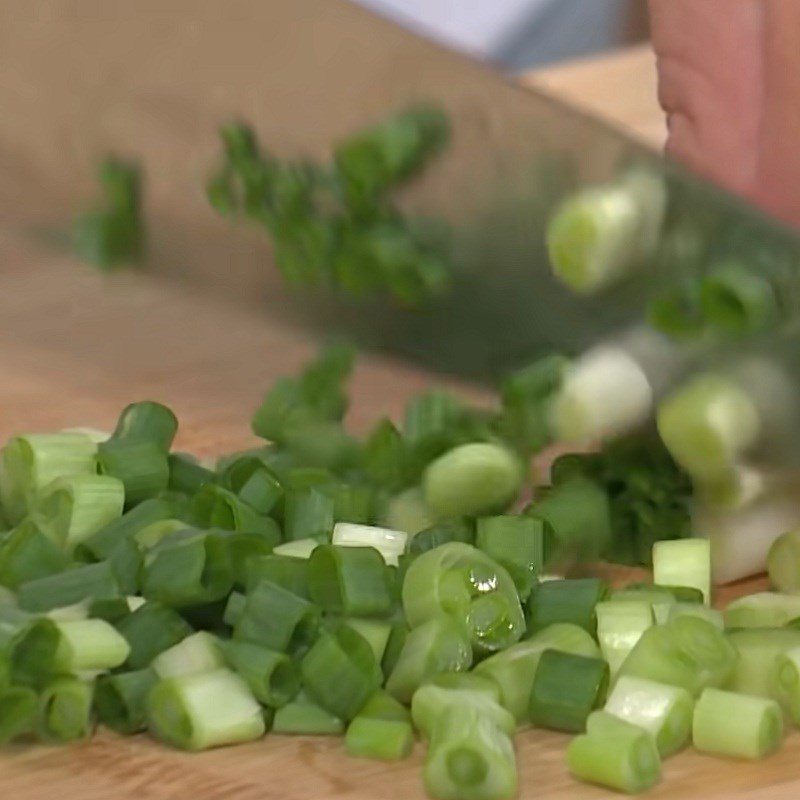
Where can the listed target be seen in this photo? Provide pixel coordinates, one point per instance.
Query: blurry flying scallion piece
(336, 224)
(603, 233)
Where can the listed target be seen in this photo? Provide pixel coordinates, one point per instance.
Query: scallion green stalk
(783, 562)
(787, 681)
(149, 630)
(90, 644)
(570, 600)
(664, 711)
(27, 554)
(120, 700)
(389, 543)
(65, 710)
(139, 464)
(203, 710)
(380, 739)
(736, 725)
(683, 562)
(298, 548)
(620, 625)
(18, 706)
(272, 677)
(303, 716)
(198, 652)
(762, 610)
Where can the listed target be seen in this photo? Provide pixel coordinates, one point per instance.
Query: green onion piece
(234, 608)
(664, 612)
(620, 625)
(687, 652)
(384, 456)
(566, 689)
(570, 600)
(27, 554)
(297, 549)
(787, 681)
(518, 544)
(707, 426)
(309, 514)
(736, 299)
(471, 480)
(188, 568)
(76, 612)
(91, 644)
(13, 621)
(277, 619)
(288, 572)
(352, 502)
(149, 630)
(103, 543)
(615, 754)
(302, 716)
(65, 711)
(202, 710)
(198, 652)
(383, 706)
(463, 582)
(216, 507)
(645, 593)
(439, 645)
(408, 512)
(340, 672)
(34, 651)
(394, 646)
(665, 712)
(375, 631)
(683, 594)
(684, 562)
(140, 464)
(186, 475)
(149, 536)
(737, 725)
(95, 581)
(349, 580)
(783, 562)
(514, 669)
(762, 610)
(126, 563)
(389, 543)
(18, 712)
(148, 421)
(432, 700)
(71, 509)
(441, 533)
(272, 677)
(469, 758)
(758, 650)
(120, 700)
(602, 233)
(29, 463)
(254, 483)
(579, 516)
(380, 739)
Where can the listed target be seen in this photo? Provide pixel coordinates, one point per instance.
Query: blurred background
(520, 34)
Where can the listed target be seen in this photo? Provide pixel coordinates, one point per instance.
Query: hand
(729, 80)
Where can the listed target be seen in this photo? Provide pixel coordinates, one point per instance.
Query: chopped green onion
(762, 610)
(381, 739)
(34, 652)
(302, 716)
(684, 562)
(469, 758)
(298, 548)
(340, 672)
(202, 710)
(65, 710)
(663, 711)
(18, 707)
(663, 612)
(148, 421)
(349, 580)
(516, 543)
(687, 652)
(736, 299)
(737, 725)
(272, 677)
(95, 581)
(394, 646)
(253, 482)
(441, 533)
(439, 645)
(139, 464)
(615, 754)
(758, 650)
(408, 512)
(783, 562)
(277, 619)
(27, 554)
(187, 568)
(186, 475)
(375, 631)
(570, 600)
(290, 573)
(149, 536)
(29, 463)
(707, 426)
(149, 630)
(309, 514)
(472, 479)
(120, 700)
(216, 507)
(385, 456)
(234, 608)
(450, 689)
(91, 644)
(514, 668)
(198, 652)
(620, 625)
(389, 543)
(566, 689)
(787, 681)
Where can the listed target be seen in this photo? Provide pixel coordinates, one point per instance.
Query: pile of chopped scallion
(381, 589)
